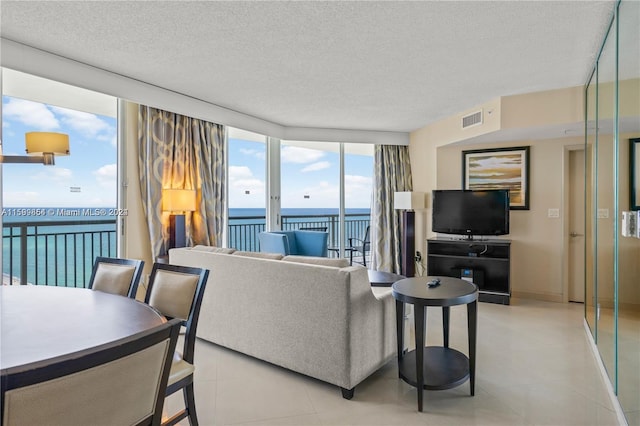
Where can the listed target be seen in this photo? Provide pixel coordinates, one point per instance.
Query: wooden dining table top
(38, 323)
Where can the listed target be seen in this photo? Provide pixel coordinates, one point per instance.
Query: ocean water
(61, 243)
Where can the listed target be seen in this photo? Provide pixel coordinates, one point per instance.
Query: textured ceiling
(393, 66)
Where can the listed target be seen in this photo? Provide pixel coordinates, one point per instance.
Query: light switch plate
(603, 213)
(553, 213)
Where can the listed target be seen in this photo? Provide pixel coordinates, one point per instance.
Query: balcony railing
(244, 230)
(61, 253)
(57, 253)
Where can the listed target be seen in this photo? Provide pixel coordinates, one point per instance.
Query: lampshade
(178, 200)
(408, 200)
(40, 143)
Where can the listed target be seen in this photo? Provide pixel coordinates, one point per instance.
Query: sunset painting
(505, 168)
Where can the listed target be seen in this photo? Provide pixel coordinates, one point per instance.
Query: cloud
(321, 165)
(241, 179)
(355, 180)
(56, 174)
(297, 155)
(238, 172)
(253, 152)
(21, 198)
(87, 124)
(32, 114)
(107, 176)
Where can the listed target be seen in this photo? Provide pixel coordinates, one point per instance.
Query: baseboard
(622, 421)
(537, 296)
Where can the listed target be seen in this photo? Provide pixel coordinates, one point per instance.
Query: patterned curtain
(392, 173)
(184, 153)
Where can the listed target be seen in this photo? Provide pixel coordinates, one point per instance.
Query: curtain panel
(392, 173)
(183, 153)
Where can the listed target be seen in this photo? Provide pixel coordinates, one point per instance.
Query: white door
(576, 226)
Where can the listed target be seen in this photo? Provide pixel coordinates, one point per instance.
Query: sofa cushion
(323, 261)
(259, 255)
(213, 249)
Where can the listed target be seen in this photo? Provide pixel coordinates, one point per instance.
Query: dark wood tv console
(486, 262)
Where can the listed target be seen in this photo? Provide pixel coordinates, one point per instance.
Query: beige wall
(137, 244)
(537, 240)
(538, 268)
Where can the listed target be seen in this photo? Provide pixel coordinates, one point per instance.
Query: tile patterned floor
(534, 367)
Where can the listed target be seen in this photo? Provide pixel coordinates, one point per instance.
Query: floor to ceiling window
(246, 188)
(57, 219)
(288, 185)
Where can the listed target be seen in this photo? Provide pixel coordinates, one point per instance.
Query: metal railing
(57, 253)
(61, 253)
(243, 230)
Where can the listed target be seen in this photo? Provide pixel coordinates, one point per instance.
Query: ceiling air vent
(472, 119)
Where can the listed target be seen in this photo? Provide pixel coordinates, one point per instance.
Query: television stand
(485, 262)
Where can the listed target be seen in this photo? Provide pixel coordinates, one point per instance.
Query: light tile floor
(534, 367)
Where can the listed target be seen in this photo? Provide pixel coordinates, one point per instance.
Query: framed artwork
(499, 168)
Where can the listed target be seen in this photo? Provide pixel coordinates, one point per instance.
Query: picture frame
(499, 168)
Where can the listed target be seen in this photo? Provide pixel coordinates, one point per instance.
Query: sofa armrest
(274, 243)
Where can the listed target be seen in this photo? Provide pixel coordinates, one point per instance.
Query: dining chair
(176, 292)
(117, 276)
(118, 383)
(361, 246)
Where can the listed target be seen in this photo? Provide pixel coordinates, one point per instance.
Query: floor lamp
(408, 202)
(178, 200)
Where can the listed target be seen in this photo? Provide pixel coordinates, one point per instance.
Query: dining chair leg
(190, 404)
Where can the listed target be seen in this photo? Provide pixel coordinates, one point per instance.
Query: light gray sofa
(323, 321)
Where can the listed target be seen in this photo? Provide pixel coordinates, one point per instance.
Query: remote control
(434, 283)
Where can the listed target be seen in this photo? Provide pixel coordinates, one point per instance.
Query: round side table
(436, 367)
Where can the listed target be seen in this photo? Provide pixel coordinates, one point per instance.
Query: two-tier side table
(436, 367)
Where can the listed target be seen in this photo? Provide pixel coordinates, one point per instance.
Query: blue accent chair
(301, 243)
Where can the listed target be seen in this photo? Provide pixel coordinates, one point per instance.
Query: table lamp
(41, 147)
(178, 200)
(408, 202)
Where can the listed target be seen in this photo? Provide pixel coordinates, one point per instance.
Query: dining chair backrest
(117, 276)
(118, 383)
(176, 292)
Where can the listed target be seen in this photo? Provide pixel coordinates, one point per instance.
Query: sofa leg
(347, 393)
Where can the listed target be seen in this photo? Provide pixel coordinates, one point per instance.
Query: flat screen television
(466, 212)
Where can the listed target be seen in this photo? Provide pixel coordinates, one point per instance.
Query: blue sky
(310, 177)
(91, 165)
(304, 172)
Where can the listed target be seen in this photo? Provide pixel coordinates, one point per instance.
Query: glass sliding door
(358, 187)
(605, 191)
(310, 187)
(590, 214)
(614, 172)
(628, 337)
(246, 189)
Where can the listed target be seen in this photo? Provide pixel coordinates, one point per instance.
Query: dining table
(40, 323)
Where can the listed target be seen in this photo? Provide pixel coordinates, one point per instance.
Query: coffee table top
(451, 291)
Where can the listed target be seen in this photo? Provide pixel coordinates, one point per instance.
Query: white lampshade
(178, 200)
(40, 143)
(408, 200)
